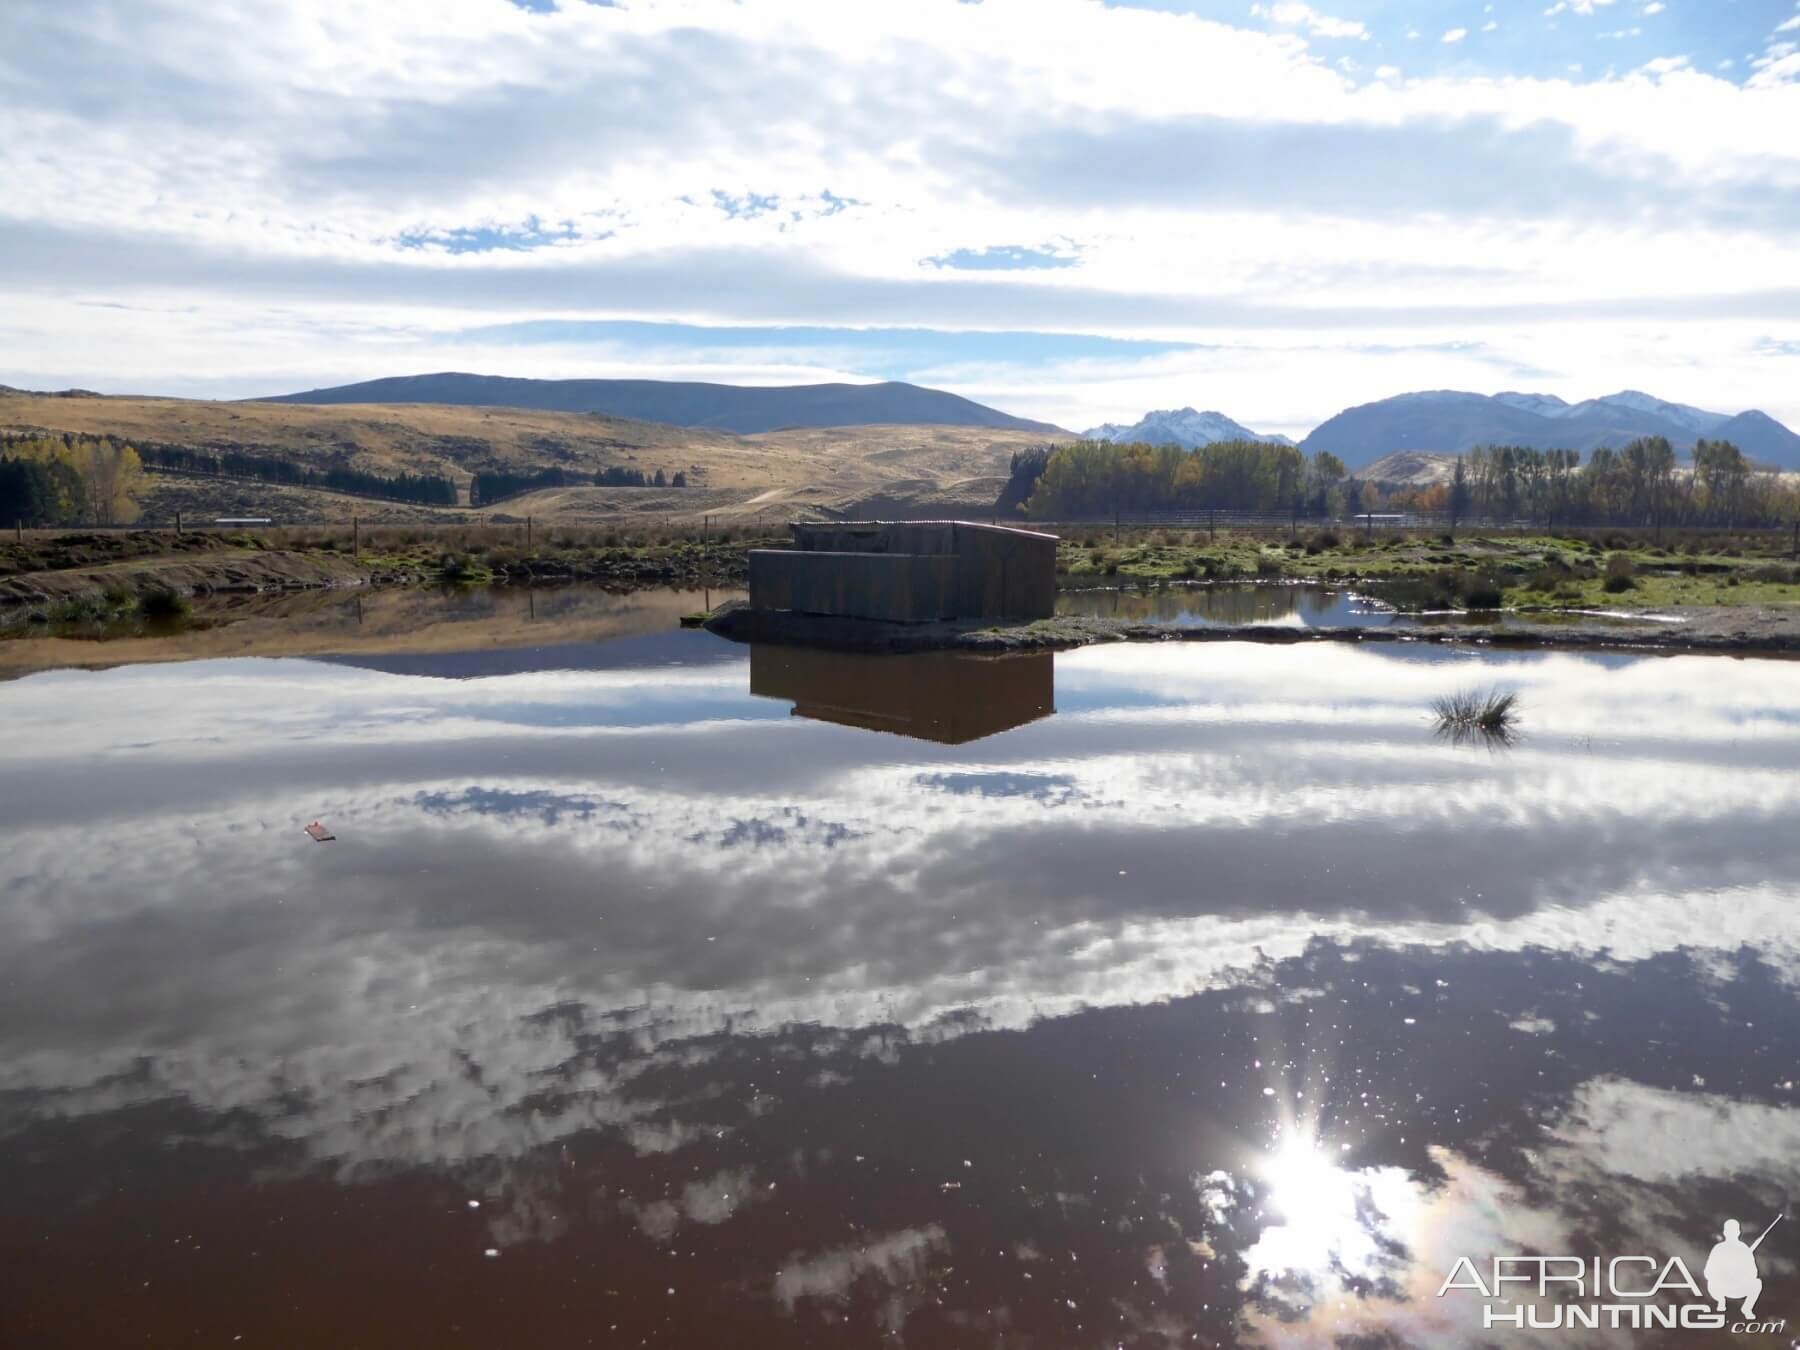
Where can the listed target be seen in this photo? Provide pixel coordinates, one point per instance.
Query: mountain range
(743, 409)
(1177, 426)
(1439, 421)
(1448, 421)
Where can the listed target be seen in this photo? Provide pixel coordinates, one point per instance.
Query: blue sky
(1072, 210)
(1614, 36)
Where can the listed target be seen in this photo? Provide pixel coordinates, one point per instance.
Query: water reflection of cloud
(524, 938)
(896, 1260)
(1048, 788)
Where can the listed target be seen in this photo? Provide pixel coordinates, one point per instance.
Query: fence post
(178, 524)
(19, 528)
(1797, 539)
(527, 531)
(1211, 524)
(356, 548)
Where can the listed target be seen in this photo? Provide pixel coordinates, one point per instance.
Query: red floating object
(320, 833)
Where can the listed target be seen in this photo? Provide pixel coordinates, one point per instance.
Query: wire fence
(725, 524)
(1375, 522)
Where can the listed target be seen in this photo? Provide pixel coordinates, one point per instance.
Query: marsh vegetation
(1490, 715)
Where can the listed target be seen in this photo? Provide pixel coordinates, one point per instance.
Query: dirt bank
(45, 569)
(187, 574)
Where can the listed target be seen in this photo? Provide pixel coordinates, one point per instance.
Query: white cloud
(314, 238)
(1490, 25)
(1455, 35)
(1296, 15)
(1792, 25)
(1654, 7)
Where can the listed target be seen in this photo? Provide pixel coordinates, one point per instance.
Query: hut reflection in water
(948, 697)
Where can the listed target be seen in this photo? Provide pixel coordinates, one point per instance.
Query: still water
(1219, 604)
(681, 994)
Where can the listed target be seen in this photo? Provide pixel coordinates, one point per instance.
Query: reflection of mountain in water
(934, 696)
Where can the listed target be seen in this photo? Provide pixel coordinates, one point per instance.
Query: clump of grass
(455, 567)
(1481, 592)
(1621, 574)
(162, 603)
(1439, 591)
(1323, 542)
(1490, 714)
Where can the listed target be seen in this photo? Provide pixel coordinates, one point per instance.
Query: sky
(1071, 210)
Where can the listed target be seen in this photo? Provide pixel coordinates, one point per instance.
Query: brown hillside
(825, 470)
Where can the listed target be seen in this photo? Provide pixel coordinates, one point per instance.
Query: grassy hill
(745, 409)
(822, 470)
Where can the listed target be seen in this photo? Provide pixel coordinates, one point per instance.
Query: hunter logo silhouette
(1731, 1269)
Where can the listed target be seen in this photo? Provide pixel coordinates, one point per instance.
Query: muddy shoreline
(1732, 631)
(291, 570)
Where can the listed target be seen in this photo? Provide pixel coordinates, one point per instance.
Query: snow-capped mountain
(1630, 401)
(1449, 421)
(1544, 405)
(1178, 426)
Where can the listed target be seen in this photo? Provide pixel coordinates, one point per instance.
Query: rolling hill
(743, 409)
(897, 470)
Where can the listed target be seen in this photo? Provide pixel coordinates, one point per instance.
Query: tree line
(425, 489)
(64, 479)
(495, 485)
(1644, 483)
(1100, 478)
(68, 478)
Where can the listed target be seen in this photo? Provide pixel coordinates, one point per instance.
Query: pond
(661, 991)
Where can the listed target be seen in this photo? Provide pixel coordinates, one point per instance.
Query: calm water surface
(700, 996)
(1230, 604)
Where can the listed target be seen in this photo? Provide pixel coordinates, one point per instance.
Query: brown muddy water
(659, 991)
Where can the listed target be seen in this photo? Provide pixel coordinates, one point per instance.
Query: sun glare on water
(1325, 1224)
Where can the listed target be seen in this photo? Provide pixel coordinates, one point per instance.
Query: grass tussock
(163, 603)
(1491, 715)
